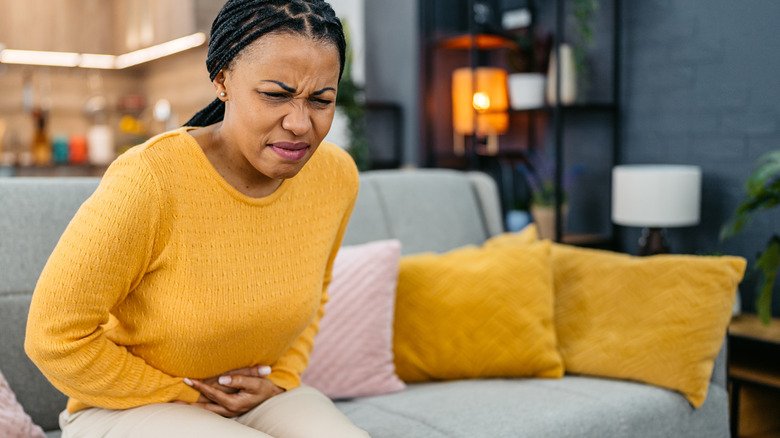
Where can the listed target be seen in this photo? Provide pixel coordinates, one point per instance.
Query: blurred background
(461, 84)
(560, 101)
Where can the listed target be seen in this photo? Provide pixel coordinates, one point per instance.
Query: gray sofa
(427, 210)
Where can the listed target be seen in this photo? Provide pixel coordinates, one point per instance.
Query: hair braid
(241, 22)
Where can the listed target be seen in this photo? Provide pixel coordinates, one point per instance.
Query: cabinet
(754, 376)
(584, 135)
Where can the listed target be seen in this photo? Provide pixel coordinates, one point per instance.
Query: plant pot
(516, 220)
(568, 77)
(526, 90)
(544, 218)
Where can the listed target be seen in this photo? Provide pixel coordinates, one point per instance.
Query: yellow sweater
(167, 271)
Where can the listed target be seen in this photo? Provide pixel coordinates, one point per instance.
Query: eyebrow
(290, 89)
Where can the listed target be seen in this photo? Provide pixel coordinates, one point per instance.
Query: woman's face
(280, 99)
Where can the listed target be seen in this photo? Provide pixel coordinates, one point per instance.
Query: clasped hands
(235, 392)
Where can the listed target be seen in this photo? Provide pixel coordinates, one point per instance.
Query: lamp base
(653, 242)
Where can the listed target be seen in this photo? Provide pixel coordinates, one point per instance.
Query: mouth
(290, 151)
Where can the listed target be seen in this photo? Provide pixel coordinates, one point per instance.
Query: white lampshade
(656, 196)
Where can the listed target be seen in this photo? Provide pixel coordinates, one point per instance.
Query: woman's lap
(301, 412)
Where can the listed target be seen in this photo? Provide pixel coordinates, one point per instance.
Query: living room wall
(701, 88)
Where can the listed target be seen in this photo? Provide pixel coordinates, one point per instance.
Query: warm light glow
(35, 57)
(481, 101)
(160, 50)
(90, 60)
(487, 94)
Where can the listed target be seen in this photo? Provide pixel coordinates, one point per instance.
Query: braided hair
(241, 22)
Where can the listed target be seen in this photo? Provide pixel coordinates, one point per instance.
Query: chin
(285, 171)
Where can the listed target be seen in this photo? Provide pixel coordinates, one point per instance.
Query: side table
(754, 362)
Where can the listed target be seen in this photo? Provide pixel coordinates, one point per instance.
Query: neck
(224, 153)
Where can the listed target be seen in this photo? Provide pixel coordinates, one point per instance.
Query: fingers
(260, 371)
(251, 384)
(255, 371)
(211, 393)
(221, 410)
(254, 390)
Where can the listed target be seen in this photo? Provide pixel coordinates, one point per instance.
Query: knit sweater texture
(167, 271)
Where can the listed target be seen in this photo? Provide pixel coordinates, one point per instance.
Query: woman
(184, 296)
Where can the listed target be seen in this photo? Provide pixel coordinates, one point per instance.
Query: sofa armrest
(719, 370)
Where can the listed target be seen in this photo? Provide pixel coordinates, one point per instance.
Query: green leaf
(768, 263)
(763, 193)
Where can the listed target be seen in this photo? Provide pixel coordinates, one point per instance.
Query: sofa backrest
(427, 210)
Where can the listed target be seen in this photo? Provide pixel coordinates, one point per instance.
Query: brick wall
(702, 86)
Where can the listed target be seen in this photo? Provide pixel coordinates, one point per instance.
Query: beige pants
(303, 412)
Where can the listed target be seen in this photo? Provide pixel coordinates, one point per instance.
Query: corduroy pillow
(476, 312)
(353, 351)
(14, 422)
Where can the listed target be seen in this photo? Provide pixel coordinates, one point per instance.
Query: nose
(297, 120)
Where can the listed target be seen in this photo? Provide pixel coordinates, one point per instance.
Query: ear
(219, 85)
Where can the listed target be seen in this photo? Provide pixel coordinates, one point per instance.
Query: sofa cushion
(353, 351)
(39, 398)
(14, 422)
(568, 407)
(368, 222)
(659, 320)
(431, 210)
(34, 215)
(476, 312)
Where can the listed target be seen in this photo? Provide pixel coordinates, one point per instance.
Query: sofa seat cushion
(570, 407)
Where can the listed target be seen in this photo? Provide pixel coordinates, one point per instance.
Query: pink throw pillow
(14, 422)
(353, 351)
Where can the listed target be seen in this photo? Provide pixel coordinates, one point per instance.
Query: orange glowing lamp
(479, 102)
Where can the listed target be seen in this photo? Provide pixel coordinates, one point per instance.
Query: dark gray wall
(702, 86)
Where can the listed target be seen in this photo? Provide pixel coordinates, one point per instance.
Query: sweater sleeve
(286, 372)
(100, 258)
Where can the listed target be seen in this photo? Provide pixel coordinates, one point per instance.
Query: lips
(290, 151)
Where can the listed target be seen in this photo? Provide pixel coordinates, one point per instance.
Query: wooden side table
(754, 363)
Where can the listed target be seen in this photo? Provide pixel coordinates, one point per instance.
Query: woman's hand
(236, 392)
(260, 371)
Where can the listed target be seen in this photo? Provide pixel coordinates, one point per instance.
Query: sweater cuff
(188, 393)
(284, 380)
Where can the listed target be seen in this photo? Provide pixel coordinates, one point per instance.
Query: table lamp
(655, 197)
(485, 96)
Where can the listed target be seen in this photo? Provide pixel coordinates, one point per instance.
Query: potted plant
(540, 175)
(763, 193)
(527, 61)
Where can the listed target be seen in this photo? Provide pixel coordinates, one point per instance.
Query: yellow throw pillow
(476, 312)
(523, 237)
(659, 320)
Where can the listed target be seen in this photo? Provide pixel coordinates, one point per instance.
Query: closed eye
(321, 101)
(275, 95)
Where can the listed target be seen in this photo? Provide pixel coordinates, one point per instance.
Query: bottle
(60, 149)
(77, 149)
(40, 146)
(3, 151)
(100, 139)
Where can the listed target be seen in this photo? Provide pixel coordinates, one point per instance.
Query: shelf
(576, 108)
(750, 327)
(481, 41)
(751, 373)
(54, 171)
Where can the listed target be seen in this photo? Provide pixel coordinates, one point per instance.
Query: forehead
(291, 56)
